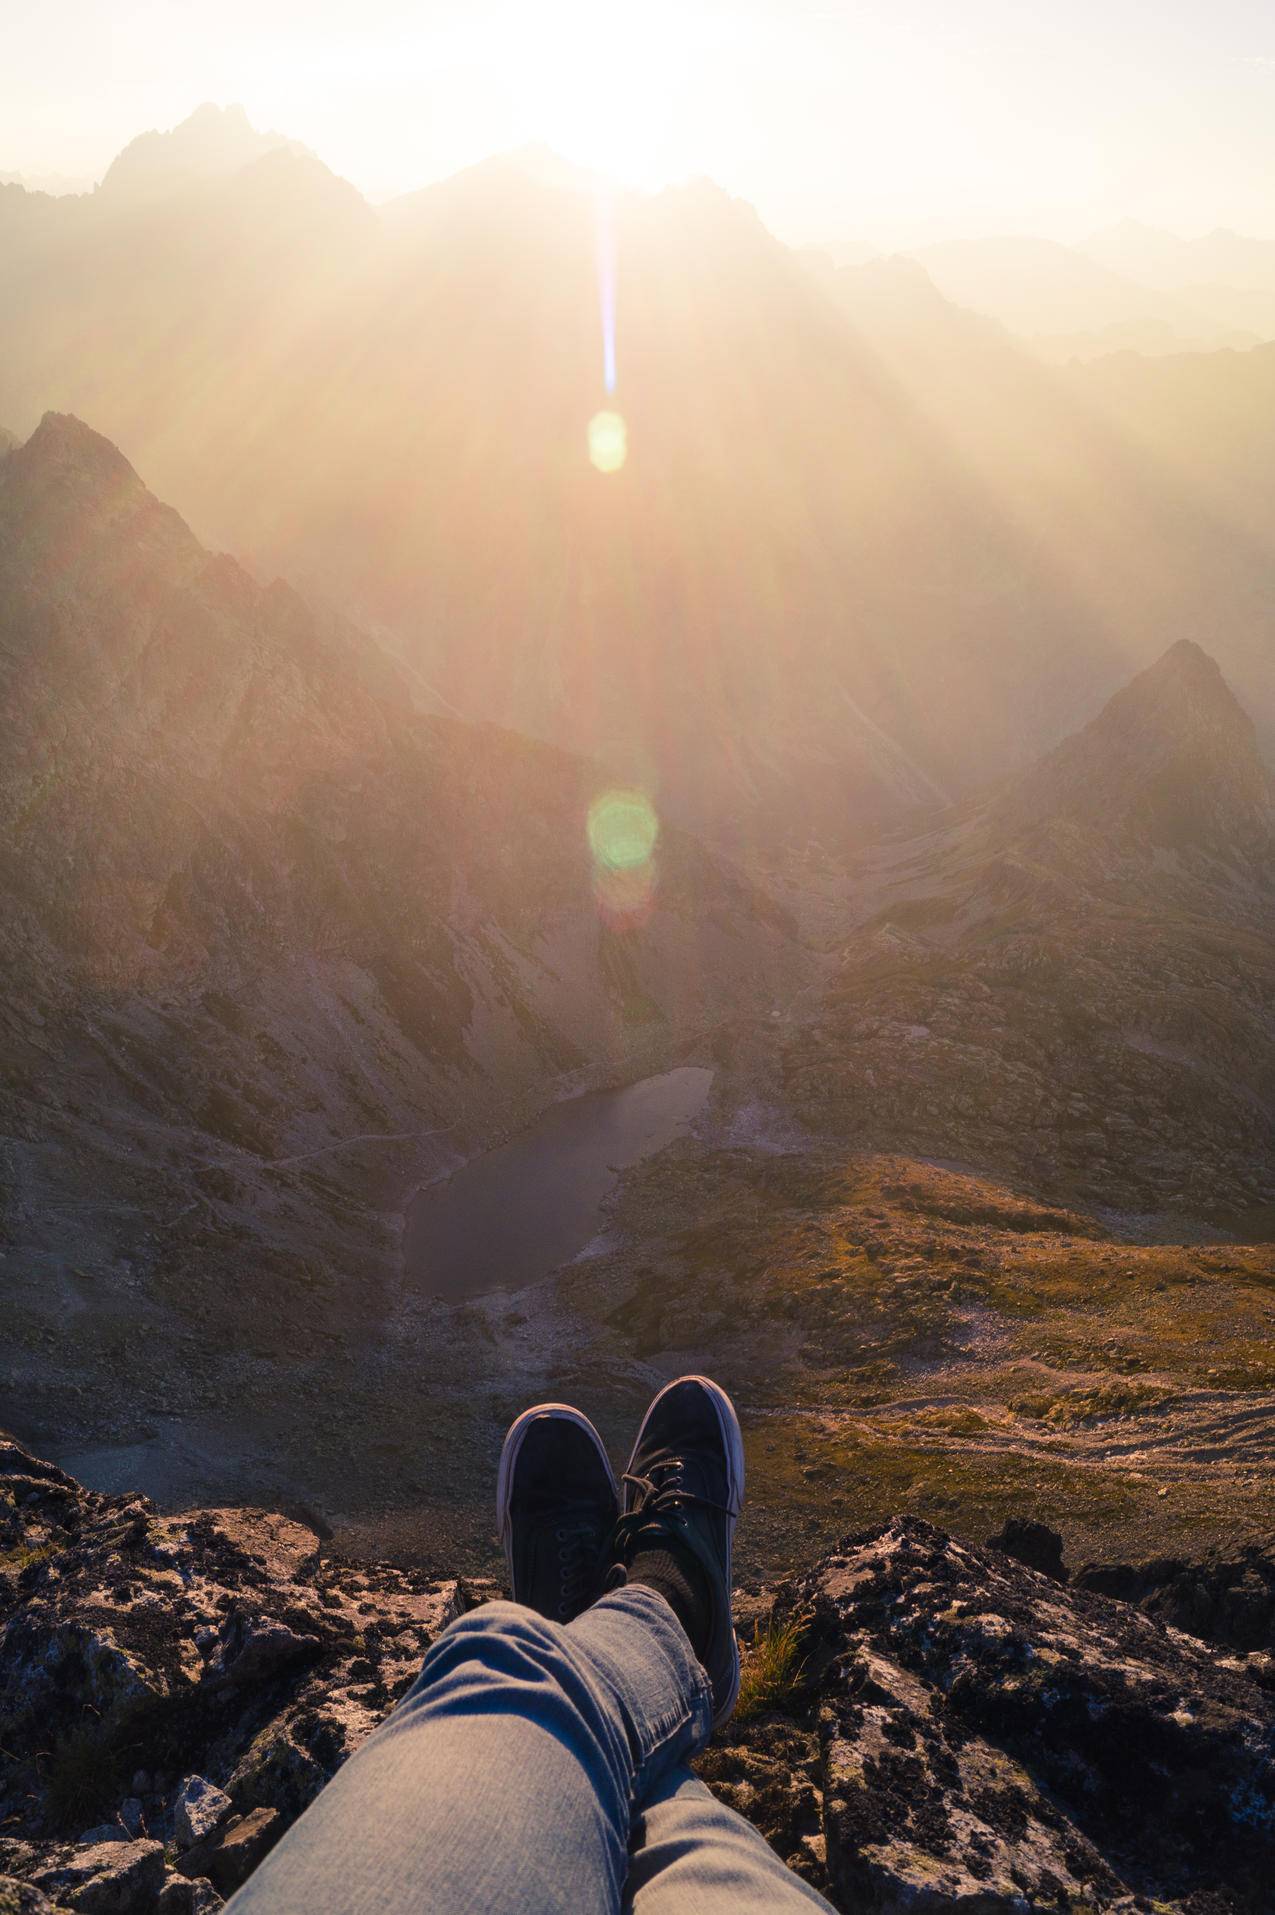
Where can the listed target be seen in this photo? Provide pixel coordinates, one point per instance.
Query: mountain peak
(209, 114)
(1182, 695)
(1172, 759)
(67, 487)
(1187, 661)
(212, 142)
(64, 446)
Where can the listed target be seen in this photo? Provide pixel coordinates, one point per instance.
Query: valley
(897, 1334)
(220, 1286)
(901, 1051)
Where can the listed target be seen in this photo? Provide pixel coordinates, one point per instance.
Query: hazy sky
(904, 119)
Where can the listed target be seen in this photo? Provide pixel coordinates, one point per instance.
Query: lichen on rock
(963, 1731)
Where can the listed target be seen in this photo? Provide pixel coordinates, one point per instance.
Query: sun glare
(600, 84)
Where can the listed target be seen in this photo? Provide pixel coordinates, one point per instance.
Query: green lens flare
(622, 829)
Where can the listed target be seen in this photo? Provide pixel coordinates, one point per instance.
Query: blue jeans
(533, 1768)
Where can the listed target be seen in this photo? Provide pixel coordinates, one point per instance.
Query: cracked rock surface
(963, 1731)
(155, 1668)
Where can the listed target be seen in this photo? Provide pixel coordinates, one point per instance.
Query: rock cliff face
(959, 1731)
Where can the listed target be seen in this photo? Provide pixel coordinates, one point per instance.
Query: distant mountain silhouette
(51, 183)
(1172, 760)
(1224, 274)
(1070, 302)
(1163, 259)
(212, 144)
(895, 304)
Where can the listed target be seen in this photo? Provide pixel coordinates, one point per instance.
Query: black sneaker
(683, 1491)
(556, 1509)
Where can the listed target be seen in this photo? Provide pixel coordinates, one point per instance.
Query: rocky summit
(924, 1723)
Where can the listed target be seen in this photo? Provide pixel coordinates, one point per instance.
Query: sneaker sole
(733, 1442)
(514, 1437)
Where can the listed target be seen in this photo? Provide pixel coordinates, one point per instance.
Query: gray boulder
(985, 1738)
(199, 1807)
(229, 1856)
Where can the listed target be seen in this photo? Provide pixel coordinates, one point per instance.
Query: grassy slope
(904, 1337)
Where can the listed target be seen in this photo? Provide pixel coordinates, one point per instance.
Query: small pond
(516, 1213)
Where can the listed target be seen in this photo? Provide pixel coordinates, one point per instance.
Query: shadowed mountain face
(852, 563)
(1074, 982)
(258, 910)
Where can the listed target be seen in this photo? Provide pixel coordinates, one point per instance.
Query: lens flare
(606, 284)
(608, 441)
(623, 830)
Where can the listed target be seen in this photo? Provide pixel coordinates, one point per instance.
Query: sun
(601, 85)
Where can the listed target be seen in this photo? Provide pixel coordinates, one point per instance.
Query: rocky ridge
(1074, 978)
(959, 1730)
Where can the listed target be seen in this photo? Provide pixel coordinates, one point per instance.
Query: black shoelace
(578, 1562)
(657, 1494)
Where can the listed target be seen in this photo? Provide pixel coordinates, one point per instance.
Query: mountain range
(1226, 274)
(1116, 292)
(865, 551)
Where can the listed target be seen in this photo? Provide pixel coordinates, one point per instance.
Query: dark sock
(682, 1583)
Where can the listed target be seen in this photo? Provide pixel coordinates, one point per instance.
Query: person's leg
(504, 1782)
(509, 1776)
(683, 1491)
(506, 1777)
(694, 1856)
